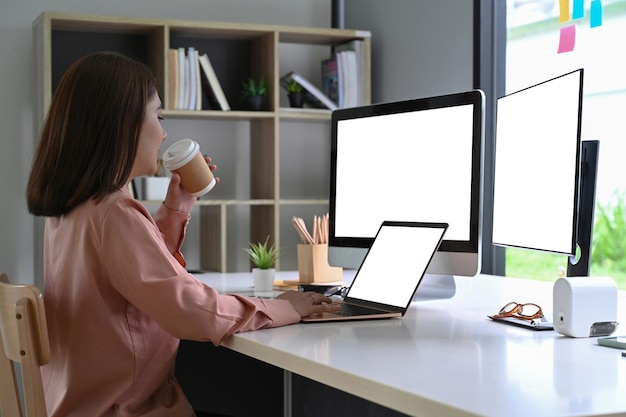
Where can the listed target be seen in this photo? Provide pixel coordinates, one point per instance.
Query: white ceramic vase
(263, 279)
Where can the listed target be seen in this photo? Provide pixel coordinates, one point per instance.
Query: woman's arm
(172, 217)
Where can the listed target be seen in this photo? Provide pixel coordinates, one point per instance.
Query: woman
(117, 295)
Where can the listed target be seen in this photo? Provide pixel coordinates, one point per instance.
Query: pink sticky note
(567, 39)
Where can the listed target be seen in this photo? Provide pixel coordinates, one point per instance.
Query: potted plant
(263, 256)
(255, 91)
(295, 93)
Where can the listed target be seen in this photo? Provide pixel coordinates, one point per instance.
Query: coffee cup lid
(180, 153)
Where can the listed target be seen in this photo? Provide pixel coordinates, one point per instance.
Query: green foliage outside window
(608, 254)
(609, 239)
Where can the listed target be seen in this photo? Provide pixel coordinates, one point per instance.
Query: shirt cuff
(281, 312)
(173, 227)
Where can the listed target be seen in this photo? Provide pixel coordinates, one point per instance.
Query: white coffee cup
(184, 158)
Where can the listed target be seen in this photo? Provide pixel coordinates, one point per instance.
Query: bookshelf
(236, 50)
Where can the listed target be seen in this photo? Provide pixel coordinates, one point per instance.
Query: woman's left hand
(177, 197)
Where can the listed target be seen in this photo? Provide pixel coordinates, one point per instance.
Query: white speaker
(584, 306)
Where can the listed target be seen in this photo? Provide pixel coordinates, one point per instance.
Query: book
(330, 81)
(344, 71)
(340, 81)
(309, 87)
(209, 101)
(216, 88)
(358, 46)
(350, 82)
(198, 103)
(172, 78)
(192, 56)
(186, 83)
(180, 97)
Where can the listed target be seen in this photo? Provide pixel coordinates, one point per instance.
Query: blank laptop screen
(395, 264)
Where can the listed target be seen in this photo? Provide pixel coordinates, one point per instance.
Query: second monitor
(413, 160)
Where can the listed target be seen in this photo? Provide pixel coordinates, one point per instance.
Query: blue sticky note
(578, 11)
(595, 18)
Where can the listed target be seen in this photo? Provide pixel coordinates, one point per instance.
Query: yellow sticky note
(564, 15)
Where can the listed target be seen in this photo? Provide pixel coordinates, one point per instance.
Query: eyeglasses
(527, 311)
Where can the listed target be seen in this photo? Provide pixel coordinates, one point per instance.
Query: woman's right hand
(309, 302)
(177, 198)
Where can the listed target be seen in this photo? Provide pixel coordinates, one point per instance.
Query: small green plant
(251, 88)
(263, 255)
(293, 87)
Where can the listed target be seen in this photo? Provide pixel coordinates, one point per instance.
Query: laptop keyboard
(348, 310)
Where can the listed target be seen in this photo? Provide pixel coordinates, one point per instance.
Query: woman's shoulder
(121, 201)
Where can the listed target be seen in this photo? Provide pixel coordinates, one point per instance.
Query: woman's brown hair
(89, 139)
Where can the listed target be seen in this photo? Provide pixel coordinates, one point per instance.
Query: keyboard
(348, 310)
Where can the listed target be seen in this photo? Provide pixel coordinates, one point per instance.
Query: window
(546, 38)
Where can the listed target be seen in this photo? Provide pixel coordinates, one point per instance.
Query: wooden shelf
(219, 114)
(236, 50)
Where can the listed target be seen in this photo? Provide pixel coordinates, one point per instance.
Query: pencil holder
(313, 264)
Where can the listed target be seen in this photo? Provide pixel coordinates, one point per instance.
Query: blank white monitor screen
(537, 159)
(416, 160)
(393, 169)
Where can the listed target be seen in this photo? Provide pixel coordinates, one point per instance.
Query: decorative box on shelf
(153, 188)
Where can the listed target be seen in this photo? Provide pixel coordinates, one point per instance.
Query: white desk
(445, 358)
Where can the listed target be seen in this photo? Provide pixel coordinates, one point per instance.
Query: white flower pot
(263, 279)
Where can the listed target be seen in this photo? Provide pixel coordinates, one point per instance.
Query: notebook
(391, 272)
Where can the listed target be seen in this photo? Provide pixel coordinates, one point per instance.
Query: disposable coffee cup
(184, 157)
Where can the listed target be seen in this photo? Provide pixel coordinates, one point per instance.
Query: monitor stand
(432, 287)
(435, 287)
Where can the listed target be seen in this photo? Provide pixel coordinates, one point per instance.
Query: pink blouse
(117, 302)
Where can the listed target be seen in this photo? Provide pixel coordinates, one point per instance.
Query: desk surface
(445, 357)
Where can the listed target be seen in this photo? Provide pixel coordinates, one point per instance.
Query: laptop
(390, 274)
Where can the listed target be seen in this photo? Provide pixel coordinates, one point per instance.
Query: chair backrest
(24, 334)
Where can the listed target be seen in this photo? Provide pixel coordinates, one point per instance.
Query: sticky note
(567, 39)
(595, 18)
(578, 11)
(563, 11)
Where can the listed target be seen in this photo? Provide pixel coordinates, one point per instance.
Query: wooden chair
(24, 334)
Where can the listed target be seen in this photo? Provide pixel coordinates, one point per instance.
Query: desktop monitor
(538, 170)
(414, 160)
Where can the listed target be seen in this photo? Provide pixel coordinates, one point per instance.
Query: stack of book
(343, 79)
(343, 75)
(192, 82)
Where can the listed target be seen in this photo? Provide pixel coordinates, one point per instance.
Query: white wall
(16, 93)
(419, 48)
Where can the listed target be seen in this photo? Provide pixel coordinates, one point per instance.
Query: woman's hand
(177, 198)
(308, 303)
